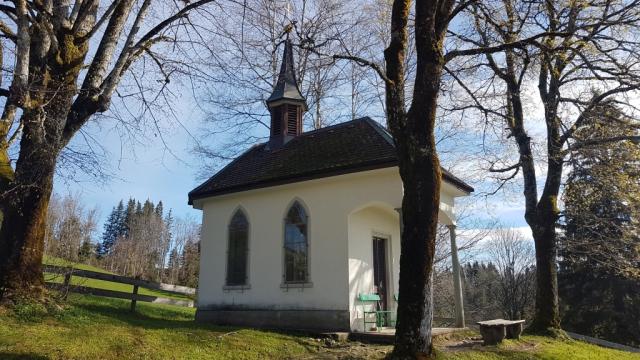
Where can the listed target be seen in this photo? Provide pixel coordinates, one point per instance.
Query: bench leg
(514, 331)
(382, 317)
(492, 335)
(366, 320)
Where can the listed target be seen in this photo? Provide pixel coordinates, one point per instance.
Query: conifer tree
(86, 251)
(159, 209)
(190, 264)
(148, 208)
(128, 216)
(599, 277)
(173, 267)
(112, 230)
(99, 251)
(139, 240)
(168, 221)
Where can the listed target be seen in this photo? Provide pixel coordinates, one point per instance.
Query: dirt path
(351, 350)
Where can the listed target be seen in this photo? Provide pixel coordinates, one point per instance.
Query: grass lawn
(100, 328)
(535, 347)
(49, 260)
(101, 284)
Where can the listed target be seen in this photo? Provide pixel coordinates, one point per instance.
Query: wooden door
(380, 270)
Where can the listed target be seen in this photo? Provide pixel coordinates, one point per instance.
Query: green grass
(50, 260)
(102, 328)
(101, 284)
(90, 327)
(537, 348)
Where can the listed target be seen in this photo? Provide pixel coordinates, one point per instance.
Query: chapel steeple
(286, 104)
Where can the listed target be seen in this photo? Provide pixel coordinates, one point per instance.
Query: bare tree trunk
(25, 199)
(23, 226)
(421, 179)
(421, 176)
(50, 53)
(541, 214)
(547, 312)
(413, 132)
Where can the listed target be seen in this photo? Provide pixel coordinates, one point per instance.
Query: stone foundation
(313, 320)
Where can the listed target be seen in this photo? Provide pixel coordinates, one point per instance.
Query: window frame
(247, 284)
(306, 283)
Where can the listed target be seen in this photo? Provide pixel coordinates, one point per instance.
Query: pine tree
(159, 209)
(148, 208)
(173, 267)
(99, 251)
(112, 230)
(481, 284)
(168, 222)
(129, 214)
(599, 273)
(601, 196)
(86, 251)
(190, 264)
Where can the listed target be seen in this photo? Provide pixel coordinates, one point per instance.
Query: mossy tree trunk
(27, 190)
(560, 68)
(46, 106)
(413, 130)
(22, 232)
(543, 221)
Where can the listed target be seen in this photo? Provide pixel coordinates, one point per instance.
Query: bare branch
(18, 91)
(105, 51)
(505, 169)
(533, 40)
(164, 24)
(364, 62)
(595, 101)
(7, 32)
(595, 142)
(103, 18)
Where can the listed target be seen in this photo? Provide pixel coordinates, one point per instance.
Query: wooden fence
(604, 343)
(68, 273)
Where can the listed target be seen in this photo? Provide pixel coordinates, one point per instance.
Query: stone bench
(494, 331)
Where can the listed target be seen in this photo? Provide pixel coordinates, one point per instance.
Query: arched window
(295, 245)
(238, 251)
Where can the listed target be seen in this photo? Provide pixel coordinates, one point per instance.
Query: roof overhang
(462, 188)
(285, 100)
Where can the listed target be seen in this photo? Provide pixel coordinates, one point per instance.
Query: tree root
(554, 333)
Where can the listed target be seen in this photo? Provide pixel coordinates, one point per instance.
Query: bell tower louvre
(286, 104)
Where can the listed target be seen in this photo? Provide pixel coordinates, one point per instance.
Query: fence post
(134, 299)
(67, 282)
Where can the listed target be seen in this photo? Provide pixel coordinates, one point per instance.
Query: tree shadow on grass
(22, 356)
(139, 318)
(151, 317)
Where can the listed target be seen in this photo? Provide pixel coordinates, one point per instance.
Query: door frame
(388, 265)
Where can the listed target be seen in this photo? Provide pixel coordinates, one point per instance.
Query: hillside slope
(100, 328)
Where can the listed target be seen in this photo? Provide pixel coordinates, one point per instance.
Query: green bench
(375, 317)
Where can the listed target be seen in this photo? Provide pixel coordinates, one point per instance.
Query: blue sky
(147, 169)
(155, 171)
(161, 165)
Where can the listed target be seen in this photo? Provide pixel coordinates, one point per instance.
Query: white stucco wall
(353, 206)
(328, 201)
(380, 221)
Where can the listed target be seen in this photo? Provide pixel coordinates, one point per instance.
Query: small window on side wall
(238, 251)
(296, 246)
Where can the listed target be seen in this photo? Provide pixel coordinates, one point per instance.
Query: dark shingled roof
(352, 146)
(287, 87)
